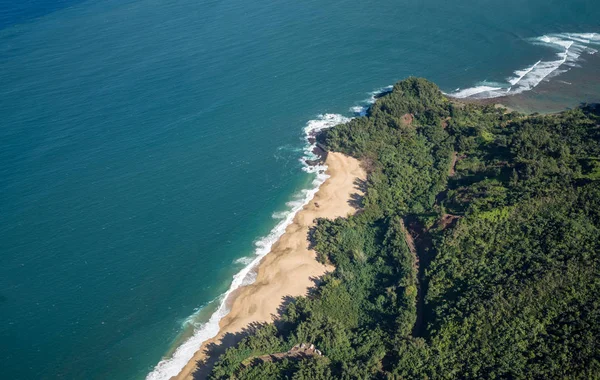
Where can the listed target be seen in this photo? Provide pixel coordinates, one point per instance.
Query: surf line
(523, 74)
(571, 45)
(172, 366)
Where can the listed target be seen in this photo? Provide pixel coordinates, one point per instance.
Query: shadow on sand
(356, 199)
(213, 351)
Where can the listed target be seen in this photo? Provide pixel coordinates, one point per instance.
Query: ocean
(150, 150)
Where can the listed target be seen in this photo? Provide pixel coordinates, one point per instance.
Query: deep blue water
(16, 12)
(146, 144)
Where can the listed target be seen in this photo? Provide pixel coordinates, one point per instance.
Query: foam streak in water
(361, 109)
(570, 46)
(470, 92)
(169, 367)
(184, 353)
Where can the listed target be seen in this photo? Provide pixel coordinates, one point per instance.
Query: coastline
(186, 355)
(290, 268)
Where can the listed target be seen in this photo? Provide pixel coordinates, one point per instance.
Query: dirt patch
(448, 220)
(407, 119)
(410, 241)
(298, 352)
(452, 170)
(446, 122)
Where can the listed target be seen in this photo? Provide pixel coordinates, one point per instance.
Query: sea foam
(311, 163)
(363, 106)
(478, 90)
(570, 47)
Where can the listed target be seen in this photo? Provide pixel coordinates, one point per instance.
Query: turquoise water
(146, 145)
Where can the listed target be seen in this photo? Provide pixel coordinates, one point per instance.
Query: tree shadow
(311, 236)
(360, 185)
(591, 108)
(286, 301)
(213, 351)
(313, 290)
(356, 199)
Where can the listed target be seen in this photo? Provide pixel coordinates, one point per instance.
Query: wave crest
(570, 46)
(170, 367)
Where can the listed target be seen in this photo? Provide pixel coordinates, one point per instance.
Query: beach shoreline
(290, 268)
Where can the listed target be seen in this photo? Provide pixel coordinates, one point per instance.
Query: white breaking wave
(522, 73)
(169, 367)
(243, 260)
(469, 92)
(313, 128)
(570, 47)
(361, 109)
(279, 215)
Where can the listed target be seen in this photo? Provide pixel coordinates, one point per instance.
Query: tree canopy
(476, 254)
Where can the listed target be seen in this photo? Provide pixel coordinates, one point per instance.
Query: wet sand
(290, 269)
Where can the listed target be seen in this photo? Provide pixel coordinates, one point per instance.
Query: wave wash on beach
(311, 163)
(571, 46)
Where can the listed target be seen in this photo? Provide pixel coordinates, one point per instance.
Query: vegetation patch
(476, 254)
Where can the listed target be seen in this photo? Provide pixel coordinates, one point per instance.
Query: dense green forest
(476, 253)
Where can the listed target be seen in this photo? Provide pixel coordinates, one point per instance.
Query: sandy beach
(289, 268)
